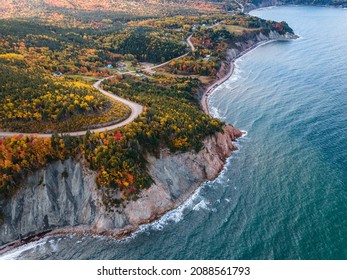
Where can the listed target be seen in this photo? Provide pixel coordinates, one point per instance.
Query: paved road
(136, 110)
(167, 62)
(190, 43)
(242, 8)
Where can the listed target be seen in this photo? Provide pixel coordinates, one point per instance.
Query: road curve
(190, 43)
(242, 8)
(136, 110)
(176, 58)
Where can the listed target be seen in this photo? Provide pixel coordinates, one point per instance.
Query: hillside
(172, 117)
(33, 8)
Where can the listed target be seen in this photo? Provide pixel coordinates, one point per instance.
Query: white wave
(233, 79)
(201, 205)
(228, 83)
(173, 216)
(215, 112)
(15, 253)
(244, 133)
(54, 244)
(99, 237)
(238, 146)
(196, 202)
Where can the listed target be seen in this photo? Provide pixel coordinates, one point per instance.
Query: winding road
(242, 8)
(136, 109)
(167, 62)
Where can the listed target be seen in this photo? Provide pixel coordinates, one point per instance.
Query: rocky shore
(64, 198)
(227, 68)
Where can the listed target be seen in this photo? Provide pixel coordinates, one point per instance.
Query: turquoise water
(283, 195)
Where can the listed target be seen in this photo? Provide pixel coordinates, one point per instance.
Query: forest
(33, 101)
(87, 50)
(38, 100)
(172, 119)
(212, 39)
(118, 10)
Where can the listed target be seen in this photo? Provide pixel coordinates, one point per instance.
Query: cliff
(257, 39)
(64, 196)
(251, 5)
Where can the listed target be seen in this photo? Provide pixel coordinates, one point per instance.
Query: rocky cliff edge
(64, 197)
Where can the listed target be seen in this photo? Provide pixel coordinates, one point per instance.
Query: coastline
(127, 230)
(186, 173)
(231, 67)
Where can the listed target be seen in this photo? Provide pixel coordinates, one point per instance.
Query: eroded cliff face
(60, 195)
(64, 196)
(265, 3)
(260, 38)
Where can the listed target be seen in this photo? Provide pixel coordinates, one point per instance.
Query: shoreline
(220, 145)
(128, 230)
(231, 67)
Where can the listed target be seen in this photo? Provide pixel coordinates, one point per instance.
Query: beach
(229, 67)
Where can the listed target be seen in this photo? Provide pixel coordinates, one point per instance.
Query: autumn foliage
(34, 102)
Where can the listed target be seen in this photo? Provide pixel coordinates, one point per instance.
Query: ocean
(283, 195)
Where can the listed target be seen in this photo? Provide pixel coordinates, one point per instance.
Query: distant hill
(134, 8)
(32, 8)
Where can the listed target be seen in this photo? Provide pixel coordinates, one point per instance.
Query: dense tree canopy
(33, 101)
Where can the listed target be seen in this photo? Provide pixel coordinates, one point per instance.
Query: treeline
(184, 22)
(86, 50)
(212, 36)
(173, 121)
(191, 66)
(124, 10)
(20, 156)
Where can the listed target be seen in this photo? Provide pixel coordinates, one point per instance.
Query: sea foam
(15, 253)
